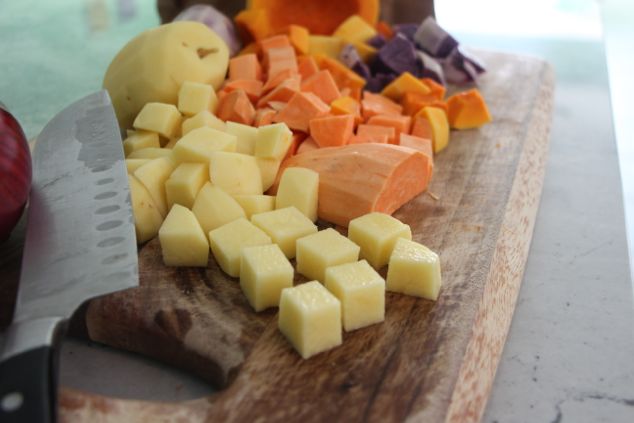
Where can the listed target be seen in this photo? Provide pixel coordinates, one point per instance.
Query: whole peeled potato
(154, 64)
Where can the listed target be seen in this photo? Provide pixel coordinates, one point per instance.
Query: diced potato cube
(361, 291)
(139, 140)
(326, 45)
(162, 118)
(246, 136)
(254, 204)
(326, 248)
(194, 97)
(268, 171)
(133, 164)
(153, 176)
(171, 143)
(376, 233)
(414, 270)
(237, 174)
(150, 153)
(183, 242)
(273, 141)
(228, 241)
(147, 218)
(264, 272)
(213, 207)
(285, 227)
(299, 187)
(199, 144)
(204, 119)
(184, 183)
(310, 318)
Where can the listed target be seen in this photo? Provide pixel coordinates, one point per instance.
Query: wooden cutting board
(429, 361)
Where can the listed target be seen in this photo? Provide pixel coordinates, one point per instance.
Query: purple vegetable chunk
(377, 41)
(431, 68)
(379, 81)
(217, 21)
(434, 40)
(460, 67)
(408, 30)
(398, 55)
(349, 56)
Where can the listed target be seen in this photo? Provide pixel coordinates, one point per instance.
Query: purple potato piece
(377, 41)
(217, 21)
(379, 81)
(434, 40)
(349, 55)
(362, 70)
(431, 68)
(461, 67)
(398, 56)
(408, 30)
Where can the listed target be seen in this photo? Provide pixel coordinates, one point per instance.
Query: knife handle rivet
(12, 402)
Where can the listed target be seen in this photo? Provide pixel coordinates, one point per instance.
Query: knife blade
(80, 243)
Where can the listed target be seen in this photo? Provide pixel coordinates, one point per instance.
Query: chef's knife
(80, 243)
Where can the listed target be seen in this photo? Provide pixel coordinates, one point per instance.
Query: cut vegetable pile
(337, 120)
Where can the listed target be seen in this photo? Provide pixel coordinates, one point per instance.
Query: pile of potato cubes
(199, 184)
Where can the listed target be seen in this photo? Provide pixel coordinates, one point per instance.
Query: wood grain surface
(427, 362)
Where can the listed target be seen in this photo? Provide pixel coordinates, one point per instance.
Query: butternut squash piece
(404, 83)
(362, 178)
(253, 24)
(468, 110)
(319, 17)
(436, 89)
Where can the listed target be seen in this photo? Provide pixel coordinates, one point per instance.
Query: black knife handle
(28, 387)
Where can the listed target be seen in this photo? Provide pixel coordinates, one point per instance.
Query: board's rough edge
(497, 305)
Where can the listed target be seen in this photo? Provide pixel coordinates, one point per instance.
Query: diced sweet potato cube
(468, 110)
(401, 124)
(246, 66)
(372, 131)
(375, 104)
(282, 92)
(299, 38)
(412, 102)
(275, 41)
(236, 107)
(368, 138)
(251, 48)
(296, 140)
(300, 109)
(307, 145)
(264, 116)
(344, 77)
(323, 85)
(274, 81)
(332, 131)
(279, 59)
(306, 66)
(252, 87)
(421, 127)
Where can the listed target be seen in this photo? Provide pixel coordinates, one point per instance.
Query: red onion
(15, 172)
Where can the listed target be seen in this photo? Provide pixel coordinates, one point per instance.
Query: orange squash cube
(468, 110)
